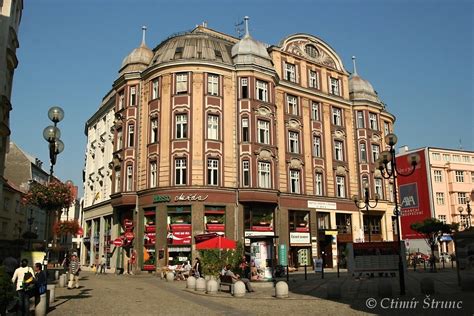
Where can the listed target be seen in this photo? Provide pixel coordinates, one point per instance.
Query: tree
(213, 260)
(432, 229)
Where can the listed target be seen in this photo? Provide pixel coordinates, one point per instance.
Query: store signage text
(322, 205)
(190, 197)
(161, 198)
(299, 238)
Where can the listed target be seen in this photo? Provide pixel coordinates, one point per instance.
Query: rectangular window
(154, 131)
(360, 119)
(378, 187)
(180, 171)
(133, 96)
(438, 177)
(244, 88)
(212, 171)
(117, 181)
(313, 79)
(131, 135)
(153, 174)
(456, 158)
(318, 185)
(472, 176)
(336, 116)
(440, 198)
(293, 142)
(154, 89)
(119, 139)
(464, 220)
(315, 111)
(263, 132)
(264, 175)
(390, 192)
(363, 152)
(338, 150)
(459, 176)
(121, 99)
(246, 173)
(436, 156)
(181, 126)
(213, 84)
(245, 130)
(340, 186)
(334, 86)
(373, 121)
(386, 128)
(294, 181)
(262, 91)
(442, 218)
(375, 152)
(316, 146)
(181, 83)
(213, 127)
(292, 105)
(446, 157)
(129, 178)
(290, 72)
(466, 159)
(462, 199)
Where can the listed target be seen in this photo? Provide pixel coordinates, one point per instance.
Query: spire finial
(354, 63)
(143, 35)
(246, 19)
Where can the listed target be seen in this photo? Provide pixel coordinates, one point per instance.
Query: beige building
(216, 134)
(10, 16)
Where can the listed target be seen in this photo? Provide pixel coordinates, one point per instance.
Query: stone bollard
(52, 289)
(281, 289)
(384, 289)
(62, 280)
(334, 291)
(56, 275)
(200, 285)
(207, 277)
(169, 277)
(427, 286)
(191, 283)
(211, 287)
(42, 306)
(239, 289)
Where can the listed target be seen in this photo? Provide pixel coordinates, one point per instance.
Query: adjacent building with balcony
(211, 133)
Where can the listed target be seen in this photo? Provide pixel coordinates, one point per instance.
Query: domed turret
(360, 89)
(249, 51)
(139, 58)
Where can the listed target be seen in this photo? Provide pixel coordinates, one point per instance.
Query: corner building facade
(218, 134)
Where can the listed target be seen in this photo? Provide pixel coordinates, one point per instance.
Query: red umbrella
(219, 242)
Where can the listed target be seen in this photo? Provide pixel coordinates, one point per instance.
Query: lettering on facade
(161, 198)
(190, 197)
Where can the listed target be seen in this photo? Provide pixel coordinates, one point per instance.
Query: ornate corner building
(208, 133)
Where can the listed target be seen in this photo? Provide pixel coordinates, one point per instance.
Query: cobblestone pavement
(147, 294)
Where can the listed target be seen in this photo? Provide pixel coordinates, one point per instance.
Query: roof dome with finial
(250, 51)
(360, 89)
(141, 55)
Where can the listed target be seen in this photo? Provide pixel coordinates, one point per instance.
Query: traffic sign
(118, 242)
(129, 235)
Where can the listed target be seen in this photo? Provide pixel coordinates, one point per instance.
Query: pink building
(441, 187)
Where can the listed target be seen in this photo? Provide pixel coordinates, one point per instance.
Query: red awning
(219, 242)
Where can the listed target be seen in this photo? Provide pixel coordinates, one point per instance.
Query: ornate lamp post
(366, 205)
(387, 164)
(468, 210)
(52, 135)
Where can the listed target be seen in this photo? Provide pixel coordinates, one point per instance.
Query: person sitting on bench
(236, 277)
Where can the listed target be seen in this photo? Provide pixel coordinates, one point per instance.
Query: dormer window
(178, 53)
(311, 51)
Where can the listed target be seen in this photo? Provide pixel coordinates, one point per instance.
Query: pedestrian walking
(40, 282)
(103, 264)
(23, 278)
(197, 269)
(74, 269)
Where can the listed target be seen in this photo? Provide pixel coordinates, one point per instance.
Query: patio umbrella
(219, 242)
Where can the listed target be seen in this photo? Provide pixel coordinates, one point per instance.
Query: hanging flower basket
(53, 196)
(66, 227)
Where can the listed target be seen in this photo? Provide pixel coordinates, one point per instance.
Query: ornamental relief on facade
(298, 48)
(375, 138)
(264, 155)
(339, 134)
(292, 123)
(295, 163)
(341, 171)
(263, 111)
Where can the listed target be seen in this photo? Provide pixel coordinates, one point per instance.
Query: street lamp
(366, 205)
(388, 157)
(52, 135)
(468, 209)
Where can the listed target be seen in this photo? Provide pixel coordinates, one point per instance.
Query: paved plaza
(146, 294)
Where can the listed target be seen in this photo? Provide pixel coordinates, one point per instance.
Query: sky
(418, 55)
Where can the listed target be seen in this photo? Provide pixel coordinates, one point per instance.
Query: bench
(227, 281)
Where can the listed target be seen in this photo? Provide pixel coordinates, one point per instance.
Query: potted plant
(215, 219)
(263, 220)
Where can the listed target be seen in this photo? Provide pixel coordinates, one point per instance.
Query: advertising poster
(260, 261)
(374, 257)
(413, 194)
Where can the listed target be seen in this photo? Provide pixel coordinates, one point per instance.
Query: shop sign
(322, 205)
(179, 249)
(330, 233)
(258, 233)
(190, 197)
(283, 255)
(299, 238)
(161, 198)
(318, 265)
(179, 238)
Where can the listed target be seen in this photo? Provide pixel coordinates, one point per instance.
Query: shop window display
(179, 234)
(299, 221)
(149, 240)
(258, 219)
(214, 219)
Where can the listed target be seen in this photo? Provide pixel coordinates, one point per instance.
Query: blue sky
(418, 55)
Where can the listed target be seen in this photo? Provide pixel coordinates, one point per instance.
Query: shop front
(149, 239)
(179, 234)
(300, 239)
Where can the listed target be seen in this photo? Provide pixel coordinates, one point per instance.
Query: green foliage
(53, 196)
(431, 229)
(7, 289)
(213, 260)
